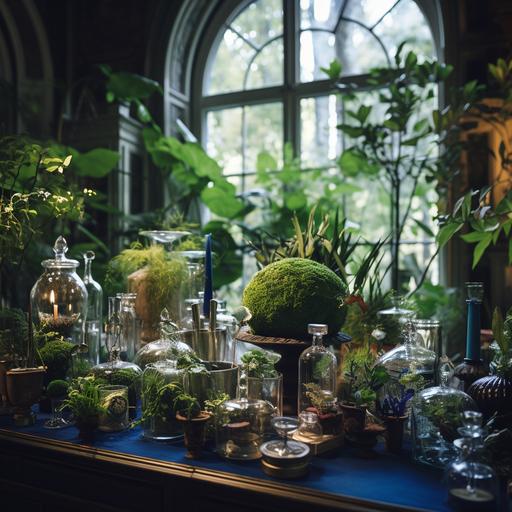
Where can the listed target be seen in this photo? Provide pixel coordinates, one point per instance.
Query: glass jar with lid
(437, 414)
(162, 383)
(59, 296)
(240, 428)
(169, 345)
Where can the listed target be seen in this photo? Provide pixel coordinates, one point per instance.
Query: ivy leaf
(334, 69)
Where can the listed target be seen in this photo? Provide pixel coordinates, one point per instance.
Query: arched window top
(249, 50)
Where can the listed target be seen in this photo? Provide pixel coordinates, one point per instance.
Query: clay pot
(354, 418)
(195, 433)
(395, 432)
(87, 428)
(492, 394)
(24, 388)
(4, 367)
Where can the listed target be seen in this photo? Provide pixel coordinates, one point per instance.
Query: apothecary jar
(59, 297)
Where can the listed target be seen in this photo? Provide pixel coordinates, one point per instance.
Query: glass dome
(162, 382)
(241, 426)
(59, 296)
(168, 346)
(437, 416)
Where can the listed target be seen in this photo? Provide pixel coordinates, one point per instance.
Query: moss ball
(57, 389)
(291, 293)
(56, 356)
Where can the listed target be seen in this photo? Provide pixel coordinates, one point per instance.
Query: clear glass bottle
(130, 331)
(436, 417)
(309, 426)
(472, 485)
(162, 382)
(59, 296)
(93, 324)
(168, 346)
(472, 368)
(317, 370)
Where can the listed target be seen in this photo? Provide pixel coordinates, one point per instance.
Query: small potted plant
(393, 409)
(194, 421)
(329, 415)
(56, 391)
(84, 402)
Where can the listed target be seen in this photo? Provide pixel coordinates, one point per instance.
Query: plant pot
(4, 367)
(195, 433)
(87, 428)
(24, 388)
(354, 418)
(395, 433)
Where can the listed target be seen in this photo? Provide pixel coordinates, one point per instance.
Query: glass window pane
(406, 22)
(368, 12)
(319, 137)
(267, 68)
(319, 13)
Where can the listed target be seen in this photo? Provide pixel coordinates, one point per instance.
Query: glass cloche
(240, 428)
(437, 414)
(59, 297)
(168, 346)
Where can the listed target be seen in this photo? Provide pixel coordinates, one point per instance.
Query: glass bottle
(59, 296)
(130, 332)
(472, 485)
(436, 417)
(317, 370)
(472, 368)
(309, 426)
(93, 325)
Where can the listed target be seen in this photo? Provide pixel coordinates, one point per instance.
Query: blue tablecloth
(385, 478)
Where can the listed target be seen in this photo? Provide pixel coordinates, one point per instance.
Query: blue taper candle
(208, 276)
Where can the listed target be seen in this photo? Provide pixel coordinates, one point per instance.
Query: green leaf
(475, 236)
(347, 188)
(510, 252)
(221, 203)
(352, 163)
(351, 131)
(129, 86)
(424, 227)
(480, 249)
(296, 200)
(96, 163)
(447, 232)
(498, 330)
(334, 69)
(265, 162)
(410, 60)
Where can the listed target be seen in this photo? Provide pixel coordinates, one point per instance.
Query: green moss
(289, 294)
(57, 389)
(56, 356)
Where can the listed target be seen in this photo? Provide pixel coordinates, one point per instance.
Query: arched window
(259, 83)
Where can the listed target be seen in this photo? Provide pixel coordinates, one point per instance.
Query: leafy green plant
(187, 405)
(84, 399)
(13, 334)
(259, 363)
(57, 389)
(319, 400)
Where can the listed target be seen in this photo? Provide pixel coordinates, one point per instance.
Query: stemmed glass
(165, 237)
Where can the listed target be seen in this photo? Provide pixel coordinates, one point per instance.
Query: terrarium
(437, 414)
(168, 346)
(241, 426)
(115, 405)
(472, 484)
(162, 383)
(59, 297)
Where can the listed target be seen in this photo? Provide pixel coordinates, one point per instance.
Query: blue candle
(208, 276)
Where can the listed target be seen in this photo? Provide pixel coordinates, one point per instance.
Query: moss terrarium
(287, 295)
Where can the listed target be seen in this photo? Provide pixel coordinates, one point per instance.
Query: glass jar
(472, 485)
(130, 331)
(309, 426)
(169, 346)
(241, 426)
(436, 416)
(59, 296)
(114, 400)
(267, 388)
(93, 324)
(317, 372)
(162, 382)
(428, 334)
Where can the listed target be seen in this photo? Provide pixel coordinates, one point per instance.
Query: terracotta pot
(87, 428)
(4, 367)
(195, 433)
(354, 418)
(492, 394)
(24, 388)
(395, 432)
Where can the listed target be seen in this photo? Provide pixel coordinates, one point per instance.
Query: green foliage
(260, 364)
(13, 334)
(334, 69)
(188, 406)
(318, 399)
(84, 399)
(130, 378)
(57, 389)
(56, 355)
(288, 294)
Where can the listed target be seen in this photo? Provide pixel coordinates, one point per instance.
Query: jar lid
(60, 248)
